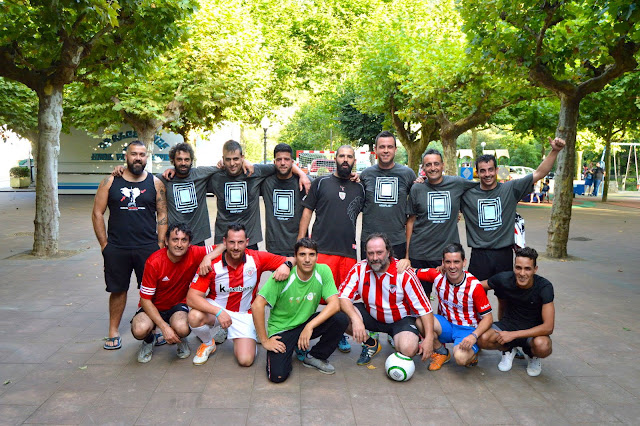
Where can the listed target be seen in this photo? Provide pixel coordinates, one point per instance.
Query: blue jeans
(596, 185)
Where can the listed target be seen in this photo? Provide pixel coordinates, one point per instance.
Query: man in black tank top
(137, 224)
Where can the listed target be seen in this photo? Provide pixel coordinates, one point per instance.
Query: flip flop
(117, 343)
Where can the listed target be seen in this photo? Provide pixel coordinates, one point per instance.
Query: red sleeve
(149, 280)
(418, 299)
(480, 301)
(349, 288)
(427, 274)
(199, 252)
(268, 261)
(203, 283)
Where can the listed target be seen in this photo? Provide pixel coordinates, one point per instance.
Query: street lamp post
(265, 123)
(483, 144)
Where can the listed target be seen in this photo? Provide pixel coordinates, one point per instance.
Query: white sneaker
(183, 350)
(507, 360)
(146, 352)
(220, 335)
(203, 353)
(534, 367)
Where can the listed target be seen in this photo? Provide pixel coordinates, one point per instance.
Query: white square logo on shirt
(283, 203)
(489, 212)
(235, 195)
(184, 197)
(386, 191)
(439, 206)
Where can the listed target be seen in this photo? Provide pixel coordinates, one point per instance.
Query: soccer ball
(399, 367)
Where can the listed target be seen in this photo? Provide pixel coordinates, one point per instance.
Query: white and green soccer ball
(399, 367)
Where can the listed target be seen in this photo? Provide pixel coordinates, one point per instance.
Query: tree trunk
(47, 227)
(558, 230)
(607, 165)
(146, 134)
(474, 142)
(449, 145)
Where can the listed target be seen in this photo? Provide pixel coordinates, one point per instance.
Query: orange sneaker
(437, 360)
(203, 353)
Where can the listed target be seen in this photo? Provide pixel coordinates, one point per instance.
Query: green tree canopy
(570, 48)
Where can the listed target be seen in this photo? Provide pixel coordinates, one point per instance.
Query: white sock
(203, 333)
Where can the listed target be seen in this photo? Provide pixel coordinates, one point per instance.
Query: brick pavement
(53, 316)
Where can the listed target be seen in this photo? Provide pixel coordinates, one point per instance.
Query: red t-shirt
(235, 289)
(465, 304)
(166, 283)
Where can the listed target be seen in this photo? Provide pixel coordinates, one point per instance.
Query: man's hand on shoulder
(118, 171)
(169, 174)
(403, 265)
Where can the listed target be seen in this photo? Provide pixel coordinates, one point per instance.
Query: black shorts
(166, 315)
(372, 324)
(524, 342)
(485, 263)
(120, 262)
(399, 250)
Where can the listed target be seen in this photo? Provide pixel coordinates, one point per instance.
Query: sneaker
(507, 360)
(220, 335)
(368, 352)
(391, 341)
(473, 362)
(160, 340)
(321, 365)
(183, 350)
(203, 353)
(146, 352)
(301, 354)
(534, 367)
(519, 353)
(438, 360)
(343, 345)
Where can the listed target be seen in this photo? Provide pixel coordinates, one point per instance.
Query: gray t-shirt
(187, 201)
(283, 210)
(436, 209)
(385, 202)
(238, 200)
(490, 215)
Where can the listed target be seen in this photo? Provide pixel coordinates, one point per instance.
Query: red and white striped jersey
(388, 297)
(464, 304)
(235, 289)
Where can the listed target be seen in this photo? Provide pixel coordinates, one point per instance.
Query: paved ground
(53, 317)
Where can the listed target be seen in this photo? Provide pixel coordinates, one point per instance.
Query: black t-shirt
(524, 307)
(337, 203)
(132, 213)
(283, 210)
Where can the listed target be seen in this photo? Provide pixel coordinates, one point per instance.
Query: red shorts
(340, 266)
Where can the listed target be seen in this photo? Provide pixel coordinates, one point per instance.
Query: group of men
(406, 223)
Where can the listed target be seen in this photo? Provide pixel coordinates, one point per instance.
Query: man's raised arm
(544, 168)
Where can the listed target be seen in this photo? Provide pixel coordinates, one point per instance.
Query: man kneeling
(526, 302)
(165, 283)
(294, 321)
(465, 312)
(388, 301)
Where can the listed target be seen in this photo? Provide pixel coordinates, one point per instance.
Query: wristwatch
(289, 264)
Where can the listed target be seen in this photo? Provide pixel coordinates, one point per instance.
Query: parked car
(321, 167)
(517, 172)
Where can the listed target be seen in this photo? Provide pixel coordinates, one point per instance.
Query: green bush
(18, 172)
